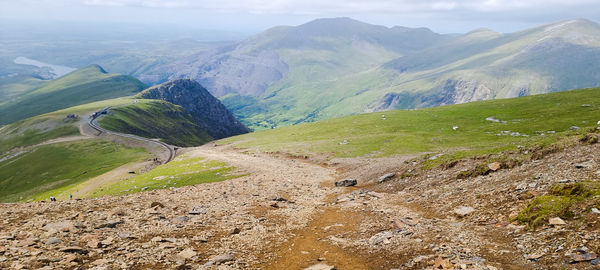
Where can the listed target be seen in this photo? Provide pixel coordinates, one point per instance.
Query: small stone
(386, 177)
(581, 255)
(535, 256)
(595, 210)
(187, 254)
(74, 249)
(585, 165)
(156, 204)
(556, 221)
(107, 242)
(62, 226)
(223, 258)
(197, 210)
(93, 243)
(442, 263)
(346, 183)
(574, 128)
(100, 262)
(109, 224)
(53, 241)
(7, 237)
(235, 230)
(494, 166)
(464, 211)
(320, 266)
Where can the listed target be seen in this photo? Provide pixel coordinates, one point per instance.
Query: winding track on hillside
(93, 123)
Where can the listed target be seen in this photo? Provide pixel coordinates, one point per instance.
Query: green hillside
(79, 87)
(156, 119)
(49, 126)
(538, 119)
(53, 167)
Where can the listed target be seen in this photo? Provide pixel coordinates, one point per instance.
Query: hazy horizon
(253, 16)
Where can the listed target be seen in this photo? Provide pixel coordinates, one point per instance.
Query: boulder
(464, 211)
(346, 183)
(386, 177)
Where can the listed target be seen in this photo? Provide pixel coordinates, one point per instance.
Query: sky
(253, 16)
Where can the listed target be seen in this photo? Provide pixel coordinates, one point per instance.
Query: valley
(324, 144)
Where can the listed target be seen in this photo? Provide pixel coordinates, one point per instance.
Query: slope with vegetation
(484, 126)
(82, 86)
(156, 119)
(39, 173)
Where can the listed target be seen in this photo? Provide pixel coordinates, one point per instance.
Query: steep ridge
(207, 111)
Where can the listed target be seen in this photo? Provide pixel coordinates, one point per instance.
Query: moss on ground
(563, 200)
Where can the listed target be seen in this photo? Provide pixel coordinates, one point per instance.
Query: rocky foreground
(287, 213)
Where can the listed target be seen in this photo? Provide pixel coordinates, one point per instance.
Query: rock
(320, 266)
(197, 210)
(386, 177)
(156, 204)
(535, 256)
(182, 219)
(187, 254)
(494, 166)
(556, 221)
(53, 241)
(7, 237)
(236, 231)
(109, 224)
(93, 243)
(585, 165)
(62, 226)
(107, 242)
(586, 105)
(74, 249)
(441, 263)
(464, 211)
(223, 258)
(581, 255)
(454, 127)
(346, 183)
(574, 128)
(595, 211)
(100, 262)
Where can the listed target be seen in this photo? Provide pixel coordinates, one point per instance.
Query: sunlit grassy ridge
(530, 120)
(79, 87)
(40, 173)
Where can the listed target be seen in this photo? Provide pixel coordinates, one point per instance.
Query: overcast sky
(251, 16)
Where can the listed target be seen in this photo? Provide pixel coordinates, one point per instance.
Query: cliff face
(207, 111)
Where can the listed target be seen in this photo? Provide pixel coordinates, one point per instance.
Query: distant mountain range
(333, 67)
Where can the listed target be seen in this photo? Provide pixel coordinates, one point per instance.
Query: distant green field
(537, 119)
(39, 173)
(79, 87)
(156, 119)
(183, 171)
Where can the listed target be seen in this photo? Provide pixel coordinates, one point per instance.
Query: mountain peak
(207, 111)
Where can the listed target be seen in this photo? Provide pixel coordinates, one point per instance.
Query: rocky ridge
(207, 111)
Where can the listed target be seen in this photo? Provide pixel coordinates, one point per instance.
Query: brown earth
(287, 214)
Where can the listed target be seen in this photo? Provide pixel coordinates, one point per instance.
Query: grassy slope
(48, 126)
(37, 174)
(79, 87)
(182, 171)
(430, 130)
(156, 119)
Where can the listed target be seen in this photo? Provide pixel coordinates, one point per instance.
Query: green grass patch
(31, 137)
(562, 201)
(183, 171)
(39, 173)
(527, 121)
(156, 119)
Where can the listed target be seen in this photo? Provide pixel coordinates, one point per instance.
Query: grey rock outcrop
(207, 111)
